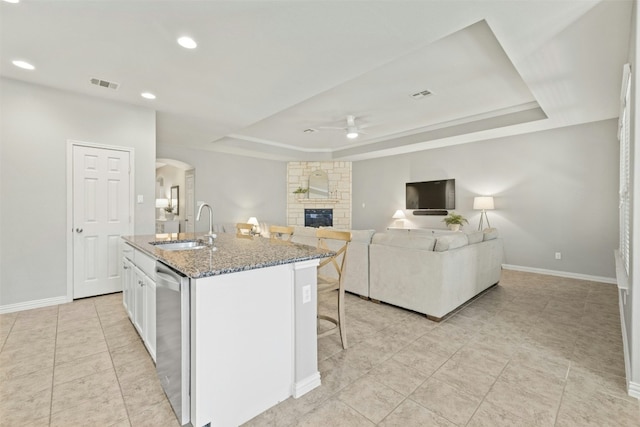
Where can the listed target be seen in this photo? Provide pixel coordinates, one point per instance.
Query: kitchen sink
(180, 246)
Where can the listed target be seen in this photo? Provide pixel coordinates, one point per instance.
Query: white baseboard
(634, 389)
(306, 385)
(28, 305)
(609, 280)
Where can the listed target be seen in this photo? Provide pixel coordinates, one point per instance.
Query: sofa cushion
(450, 241)
(490, 234)
(475, 237)
(304, 231)
(404, 241)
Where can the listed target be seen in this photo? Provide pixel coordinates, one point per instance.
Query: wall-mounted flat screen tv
(431, 194)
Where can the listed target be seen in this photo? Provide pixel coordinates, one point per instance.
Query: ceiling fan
(352, 130)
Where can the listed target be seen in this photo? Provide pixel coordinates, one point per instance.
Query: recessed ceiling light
(23, 64)
(187, 42)
(148, 95)
(12, 1)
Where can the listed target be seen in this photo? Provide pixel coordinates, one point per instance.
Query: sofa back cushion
(405, 241)
(450, 241)
(475, 237)
(490, 234)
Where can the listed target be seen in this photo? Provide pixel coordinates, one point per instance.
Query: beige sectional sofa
(431, 274)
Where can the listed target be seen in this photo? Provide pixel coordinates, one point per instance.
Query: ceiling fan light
(352, 133)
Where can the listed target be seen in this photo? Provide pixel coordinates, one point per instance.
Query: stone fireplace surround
(339, 200)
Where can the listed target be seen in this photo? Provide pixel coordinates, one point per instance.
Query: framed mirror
(318, 185)
(175, 199)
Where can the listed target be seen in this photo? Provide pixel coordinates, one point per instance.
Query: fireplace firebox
(318, 218)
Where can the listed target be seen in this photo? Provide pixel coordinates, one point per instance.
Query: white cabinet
(127, 285)
(139, 294)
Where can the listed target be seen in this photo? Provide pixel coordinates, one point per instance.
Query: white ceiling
(264, 71)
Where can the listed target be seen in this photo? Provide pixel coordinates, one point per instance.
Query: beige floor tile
(72, 352)
(534, 381)
(371, 398)
(410, 328)
(31, 338)
(82, 367)
(410, 414)
(29, 409)
(489, 415)
(136, 352)
(585, 382)
(424, 361)
(89, 335)
(83, 390)
(15, 363)
(336, 414)
(159, 415)
(141, 389)
(447, 401)
(465, 377)
(102, 410)
(398, 377)
(71, 322)
(534, 408)
(483, 357)
(598, 409)
(545, 336)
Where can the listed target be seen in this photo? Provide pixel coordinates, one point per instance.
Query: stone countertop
(231, 254)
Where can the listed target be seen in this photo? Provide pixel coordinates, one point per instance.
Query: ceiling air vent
(104, 83)
(310, 130)
(421, 94)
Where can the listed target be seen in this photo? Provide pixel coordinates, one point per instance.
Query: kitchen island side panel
(242, 345)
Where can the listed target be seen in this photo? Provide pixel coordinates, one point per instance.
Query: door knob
(78, 230)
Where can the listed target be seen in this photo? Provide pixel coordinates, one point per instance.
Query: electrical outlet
(558, 255)
(306, 294)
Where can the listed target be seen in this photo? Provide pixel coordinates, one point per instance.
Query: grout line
(115, 372)
(53, 372)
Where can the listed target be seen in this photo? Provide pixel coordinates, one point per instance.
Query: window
(625, 173)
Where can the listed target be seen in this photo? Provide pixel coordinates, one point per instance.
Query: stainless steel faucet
(211, 235)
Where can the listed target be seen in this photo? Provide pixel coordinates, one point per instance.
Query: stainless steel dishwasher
(173, 339)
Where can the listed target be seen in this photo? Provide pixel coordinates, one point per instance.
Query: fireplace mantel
(305, 201)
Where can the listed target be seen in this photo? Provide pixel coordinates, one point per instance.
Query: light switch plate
(140, 198)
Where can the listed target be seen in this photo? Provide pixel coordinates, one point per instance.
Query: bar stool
(280, 232)
(244, 230)
(329, 283)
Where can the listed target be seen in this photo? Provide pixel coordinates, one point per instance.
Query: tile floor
(534, 351)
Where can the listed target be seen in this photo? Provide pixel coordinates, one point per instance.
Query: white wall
(555, 191)
(630, 306)
(236, 187)
(35, 125)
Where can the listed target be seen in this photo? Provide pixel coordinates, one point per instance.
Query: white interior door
(101, 214)
(190, 203)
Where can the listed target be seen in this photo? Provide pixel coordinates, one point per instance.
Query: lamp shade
(398, 215)
(483, 202)
(162, 203)
(253, 221)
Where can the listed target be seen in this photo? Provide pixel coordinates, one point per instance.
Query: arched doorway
(175, 196)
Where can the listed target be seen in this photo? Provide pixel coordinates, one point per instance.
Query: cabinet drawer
(145, 263)
(127, 251)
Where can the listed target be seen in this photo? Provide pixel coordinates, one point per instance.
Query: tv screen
(431, 194)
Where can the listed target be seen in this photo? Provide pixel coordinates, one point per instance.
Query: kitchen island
(252, 321)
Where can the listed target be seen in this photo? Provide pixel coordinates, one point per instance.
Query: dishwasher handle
(167, 278)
